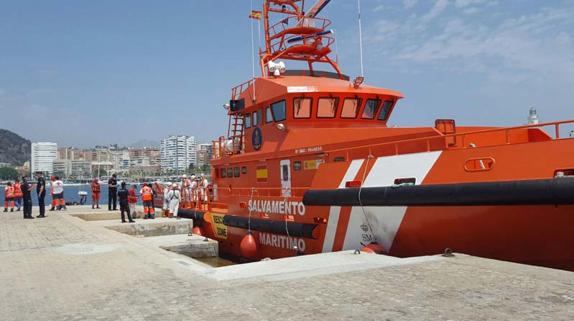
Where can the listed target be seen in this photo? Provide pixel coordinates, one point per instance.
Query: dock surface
(64, 267)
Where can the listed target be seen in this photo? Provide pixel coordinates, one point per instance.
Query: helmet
(184, 176)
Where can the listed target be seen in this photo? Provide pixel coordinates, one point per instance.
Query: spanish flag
(255, 14)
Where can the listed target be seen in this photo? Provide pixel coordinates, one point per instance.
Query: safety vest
(17, 190)
(147, 193)
(95, 188)
(9, 190)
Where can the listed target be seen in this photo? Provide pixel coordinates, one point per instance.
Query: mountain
(145, 143)
(14, 149)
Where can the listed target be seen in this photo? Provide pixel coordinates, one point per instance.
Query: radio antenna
(360, 39)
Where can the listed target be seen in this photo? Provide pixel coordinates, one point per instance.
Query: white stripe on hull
(334, 211)
(385, 221)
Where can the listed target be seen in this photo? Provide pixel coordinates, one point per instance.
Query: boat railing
(496, 137)
(237, 90)
(294, 25)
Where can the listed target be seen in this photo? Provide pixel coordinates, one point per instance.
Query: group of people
(194, 190)
(18, 195)
(190, 192)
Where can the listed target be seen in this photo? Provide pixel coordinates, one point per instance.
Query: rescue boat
(309, 165)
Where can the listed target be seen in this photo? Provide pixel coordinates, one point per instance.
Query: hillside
(13, 148)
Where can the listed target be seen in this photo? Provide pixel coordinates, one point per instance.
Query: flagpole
(252, 53)
(360, 38)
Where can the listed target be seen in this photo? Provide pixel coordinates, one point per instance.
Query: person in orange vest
(132, 201)
(147, 198)
(17, 195)
(96, 193)
(9, 197)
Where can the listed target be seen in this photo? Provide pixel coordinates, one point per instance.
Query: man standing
(95, 193)
(147, 198)
(58, 190)
(112, 192)
(27, 199)
(17, 195)
(9, 197)
(132, 201)
(41, 191)
(123, 195)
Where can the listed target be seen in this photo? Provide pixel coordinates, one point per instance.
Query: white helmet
(184, 176)
(192, 176)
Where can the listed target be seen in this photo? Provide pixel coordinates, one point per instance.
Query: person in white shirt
(173, 198)
(58, 189)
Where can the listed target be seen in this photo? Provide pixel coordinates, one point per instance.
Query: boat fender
(248, 246)
(373, 248)
(197, 231)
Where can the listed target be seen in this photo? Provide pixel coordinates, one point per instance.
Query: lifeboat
(309, 165)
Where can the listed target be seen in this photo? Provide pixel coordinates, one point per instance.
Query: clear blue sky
(117, 71)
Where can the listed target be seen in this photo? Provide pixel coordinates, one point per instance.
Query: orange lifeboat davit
(248, 246)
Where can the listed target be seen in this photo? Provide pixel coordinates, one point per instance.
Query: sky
(81, 72)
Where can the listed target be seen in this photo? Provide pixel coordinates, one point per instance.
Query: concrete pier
(64, 267)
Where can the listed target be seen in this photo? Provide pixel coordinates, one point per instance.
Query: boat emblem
(364, 227)
(257, 138)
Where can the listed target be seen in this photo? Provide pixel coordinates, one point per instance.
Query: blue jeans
(18, 202)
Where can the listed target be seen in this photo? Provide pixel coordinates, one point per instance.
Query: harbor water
(70, 194)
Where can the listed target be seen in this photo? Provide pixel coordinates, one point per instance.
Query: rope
(359, 197)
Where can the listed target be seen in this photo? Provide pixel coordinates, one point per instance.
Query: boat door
(285, 170)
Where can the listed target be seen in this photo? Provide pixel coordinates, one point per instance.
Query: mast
(292, 34)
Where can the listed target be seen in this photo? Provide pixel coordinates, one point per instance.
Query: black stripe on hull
(558, 191)
(293, 229)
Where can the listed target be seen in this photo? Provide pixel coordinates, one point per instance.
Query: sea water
(70, 194)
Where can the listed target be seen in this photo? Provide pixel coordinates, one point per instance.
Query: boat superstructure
(309, 165)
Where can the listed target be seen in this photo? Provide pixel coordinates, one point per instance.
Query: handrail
(444, 138)
(506, 130)
(239, 89)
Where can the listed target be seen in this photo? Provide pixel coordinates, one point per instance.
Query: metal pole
(360, 38)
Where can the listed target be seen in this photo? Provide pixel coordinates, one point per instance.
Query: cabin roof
(271, 88)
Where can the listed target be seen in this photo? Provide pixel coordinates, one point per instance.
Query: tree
(8, 173)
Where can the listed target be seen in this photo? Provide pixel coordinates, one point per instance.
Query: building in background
(204, 155)
(43, 156)
(177, 153)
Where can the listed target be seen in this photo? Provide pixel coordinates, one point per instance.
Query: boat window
(257, 118)
(384, 114)
(236, 172)
(302, 107)
(223, 171)
(350, 108)
(297, 165)
(247, 120)
(370, 108)
(268, 115)
(278, 110)
(327, 107)
(244, 170)
(230, 172)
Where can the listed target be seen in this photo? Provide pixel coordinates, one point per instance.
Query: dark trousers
(112, 199)
(41, 204)
(27, 207)
(125, 208)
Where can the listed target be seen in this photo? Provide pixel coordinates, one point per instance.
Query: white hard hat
(184, 176)
(192, 176)
(202, 175)
(174, 185)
